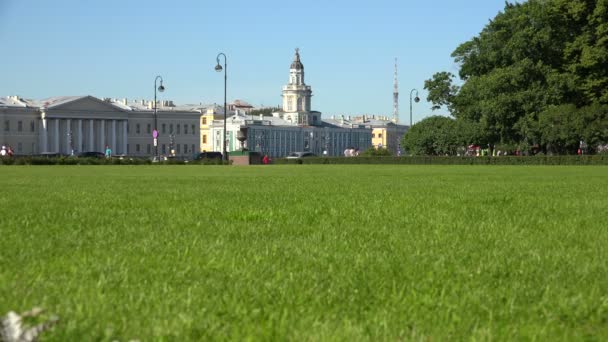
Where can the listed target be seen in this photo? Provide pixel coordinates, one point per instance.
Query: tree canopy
(536, 63)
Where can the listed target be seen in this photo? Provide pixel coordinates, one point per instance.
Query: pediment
(85, 104)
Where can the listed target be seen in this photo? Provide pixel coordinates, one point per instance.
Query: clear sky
(116, 48)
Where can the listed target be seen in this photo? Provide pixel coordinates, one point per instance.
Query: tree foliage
(266, 111)
(440, 135)
(536, 63)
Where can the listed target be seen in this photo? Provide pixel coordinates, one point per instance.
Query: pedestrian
(9, 151)
(3, 151)
(108, 151)
(265, 160)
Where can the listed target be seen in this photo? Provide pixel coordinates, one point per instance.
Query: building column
(113, 137)
(44, 147)
(102, 135)
(68, 136)
(56, 136)
(91, 146)
(124, 136)
(79, 135)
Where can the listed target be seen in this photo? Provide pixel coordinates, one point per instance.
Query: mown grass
(318, 252)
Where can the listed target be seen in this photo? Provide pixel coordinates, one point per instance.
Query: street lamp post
(218, 68)
(155, 133)
(416, 99)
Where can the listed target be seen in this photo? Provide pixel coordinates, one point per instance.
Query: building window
(193, 147)
(137, 148)
(185, 148)
(178, 128)
(164, 149)
(379, 135)
(178, 151)
(19, 126)
(137, 129)
(148, 149)
(19, 147)
(193, 130)
(185, 129)
(7, 125)
(171, 129)
(204, 121)
(148, 129)
(204, 138)
(164, 129)
(32, 126)
(128, 148)
(373, 135)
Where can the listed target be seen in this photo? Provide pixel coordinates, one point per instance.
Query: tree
(532, 58)
(267, 111)
(440, 89)
(435, 135)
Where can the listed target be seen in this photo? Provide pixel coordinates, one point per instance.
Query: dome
(296, 62)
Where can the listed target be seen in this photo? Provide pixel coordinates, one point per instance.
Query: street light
(218, 68)
(416, 99)
(155, 133)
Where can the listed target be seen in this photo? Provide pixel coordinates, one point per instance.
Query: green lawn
(308, 252)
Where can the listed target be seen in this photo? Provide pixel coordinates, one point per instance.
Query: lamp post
(218, 68)
(155, 132)
(416, 99)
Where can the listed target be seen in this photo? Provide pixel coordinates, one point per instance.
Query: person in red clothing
(265, 160)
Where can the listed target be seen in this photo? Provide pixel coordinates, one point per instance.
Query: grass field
(351, 252)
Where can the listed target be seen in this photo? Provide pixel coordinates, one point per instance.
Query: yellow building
(388, 135)
(207, 118)
(385, 133)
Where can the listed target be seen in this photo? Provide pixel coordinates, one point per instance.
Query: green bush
(431, 160)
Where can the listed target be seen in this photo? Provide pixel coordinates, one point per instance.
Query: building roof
(241, 104)
(12, 101)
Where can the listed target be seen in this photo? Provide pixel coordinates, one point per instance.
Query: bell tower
(297, 96)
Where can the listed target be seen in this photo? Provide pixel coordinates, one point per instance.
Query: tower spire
(396, 97)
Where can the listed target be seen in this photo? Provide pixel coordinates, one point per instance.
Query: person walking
(108, 151)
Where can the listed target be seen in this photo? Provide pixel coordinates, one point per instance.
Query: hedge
(26, 160)
(431, 160)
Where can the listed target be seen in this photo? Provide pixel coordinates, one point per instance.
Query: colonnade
(65, 136)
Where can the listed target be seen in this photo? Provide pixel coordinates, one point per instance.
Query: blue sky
(116, 48)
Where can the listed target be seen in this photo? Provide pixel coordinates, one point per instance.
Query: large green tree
(531, 58)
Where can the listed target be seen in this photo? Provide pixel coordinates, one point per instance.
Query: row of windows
(7, 126)
(163, 129)
(374, 135)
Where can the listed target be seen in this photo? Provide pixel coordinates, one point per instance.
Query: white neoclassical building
(73, 124)
(295, 128)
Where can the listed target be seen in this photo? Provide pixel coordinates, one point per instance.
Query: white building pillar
(44, 147)
(113, 137)
(102, 136)
(124, 137)
(79, 146)
(56, 136)
(91, 146)
(68, 136)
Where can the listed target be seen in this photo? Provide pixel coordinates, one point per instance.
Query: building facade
(73, 124)
(296, 128)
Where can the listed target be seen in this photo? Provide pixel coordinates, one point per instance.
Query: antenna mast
(396, 97)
